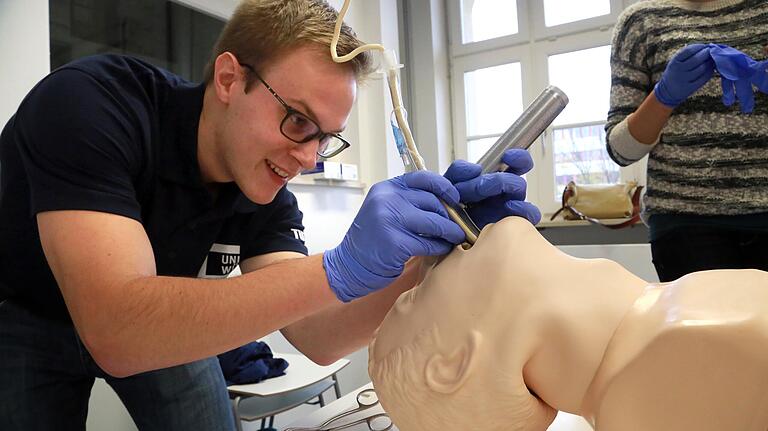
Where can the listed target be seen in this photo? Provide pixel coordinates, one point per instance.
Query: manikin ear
(446, 374)
(226, 73)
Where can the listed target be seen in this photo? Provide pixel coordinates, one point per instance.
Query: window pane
(488, 19)
(493, 99)
(558, 12)
(585, 76)
(580, 156)
(478, 147)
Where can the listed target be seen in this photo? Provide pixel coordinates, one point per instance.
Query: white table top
(301, 372)
(563, 421)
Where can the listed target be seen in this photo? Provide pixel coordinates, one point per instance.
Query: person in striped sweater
(706, 203)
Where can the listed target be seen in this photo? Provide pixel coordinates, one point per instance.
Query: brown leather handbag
(597, 202)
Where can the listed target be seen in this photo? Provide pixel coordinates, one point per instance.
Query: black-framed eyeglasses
(301, 129)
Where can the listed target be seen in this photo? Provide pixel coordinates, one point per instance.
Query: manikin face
(459, 344)
(251, 149)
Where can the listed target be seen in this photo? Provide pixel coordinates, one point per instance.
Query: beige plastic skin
(513, 316)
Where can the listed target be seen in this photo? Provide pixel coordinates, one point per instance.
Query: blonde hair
(260, 30)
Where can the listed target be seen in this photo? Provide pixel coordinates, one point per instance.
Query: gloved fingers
(760, 80)
(688, 51)
(699, 58)
(432, 225)
(488, 185)
(433, 183)
(496, 208)
(462, 170)
(745, 95)
(702, 73)
(729, 94)
(524, 209)
(424, 201)
(518, 160)
(424, 246)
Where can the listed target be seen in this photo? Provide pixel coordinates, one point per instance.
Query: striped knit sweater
(710, 159)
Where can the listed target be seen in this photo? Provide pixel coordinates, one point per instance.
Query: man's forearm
(344, 328)
(648, 120)
(156, 322)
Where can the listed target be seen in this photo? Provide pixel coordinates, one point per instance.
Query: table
(563, 421)
(303, 381)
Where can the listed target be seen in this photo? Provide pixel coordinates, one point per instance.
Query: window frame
(532, 47)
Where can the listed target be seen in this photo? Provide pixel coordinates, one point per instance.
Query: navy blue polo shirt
(114, 134)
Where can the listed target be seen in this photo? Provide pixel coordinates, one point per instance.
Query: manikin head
(513, 316)
(461, 350)
(287, 44)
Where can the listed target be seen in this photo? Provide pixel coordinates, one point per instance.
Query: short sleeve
(281, 231)
(81, 144)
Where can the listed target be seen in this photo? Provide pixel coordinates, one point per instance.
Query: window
(164, 33)
(488, 19)
(558, 12)
(496, 74)
(578, 134)
(493, 97)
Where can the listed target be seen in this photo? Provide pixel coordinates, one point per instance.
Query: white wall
(24, 48)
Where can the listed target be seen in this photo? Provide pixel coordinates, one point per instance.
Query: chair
(303, 381)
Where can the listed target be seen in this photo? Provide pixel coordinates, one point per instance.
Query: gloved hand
(687, 71)
(400, 218)
(760, 80)
(738, 71)
(494, 196)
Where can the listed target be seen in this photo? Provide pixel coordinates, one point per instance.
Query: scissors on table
(366, 399)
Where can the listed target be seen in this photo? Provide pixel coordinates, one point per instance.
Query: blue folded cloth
(251, 363)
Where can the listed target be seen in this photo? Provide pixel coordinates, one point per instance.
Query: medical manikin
(501, 336)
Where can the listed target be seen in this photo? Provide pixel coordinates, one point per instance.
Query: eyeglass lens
(298, 127)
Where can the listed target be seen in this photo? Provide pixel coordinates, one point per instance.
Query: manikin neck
(593, 299)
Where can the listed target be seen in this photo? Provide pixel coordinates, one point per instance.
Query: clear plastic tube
(406, 146)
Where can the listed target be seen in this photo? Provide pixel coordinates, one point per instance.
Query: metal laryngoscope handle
(524, 131)
(521, 134)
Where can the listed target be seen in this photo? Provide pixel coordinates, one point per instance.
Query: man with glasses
(121, 183)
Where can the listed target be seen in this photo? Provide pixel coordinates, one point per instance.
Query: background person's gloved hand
(491, 197)
(400, 218)
(738, 71)
(687, 71)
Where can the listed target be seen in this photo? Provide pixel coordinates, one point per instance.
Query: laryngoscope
(521, 134)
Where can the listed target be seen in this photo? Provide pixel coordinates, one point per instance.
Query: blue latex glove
(738, 71)
(687, 71)
(400, 218)
(491, 197)
(760, 80)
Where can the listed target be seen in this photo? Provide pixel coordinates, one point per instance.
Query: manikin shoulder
(689, 355)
